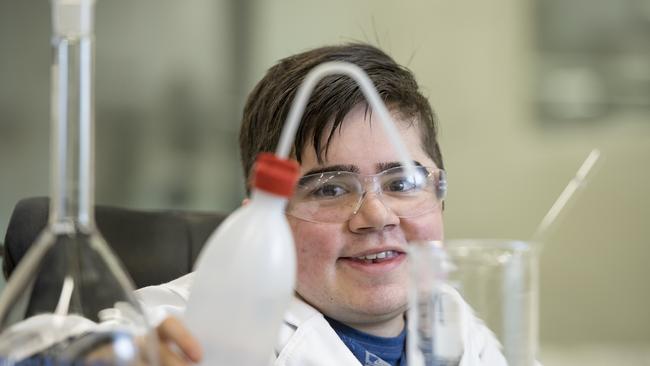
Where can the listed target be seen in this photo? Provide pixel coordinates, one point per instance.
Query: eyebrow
(393, 164)
(334, 168)
(354, 169)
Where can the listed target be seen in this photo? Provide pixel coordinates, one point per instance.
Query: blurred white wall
(476, 61)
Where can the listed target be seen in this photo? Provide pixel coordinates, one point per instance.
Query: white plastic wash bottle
(245, 275)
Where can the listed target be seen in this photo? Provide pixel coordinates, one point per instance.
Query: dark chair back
(154, 246)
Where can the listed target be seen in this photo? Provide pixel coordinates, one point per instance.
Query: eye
(328, 191)
(398, 181)
(401, 184)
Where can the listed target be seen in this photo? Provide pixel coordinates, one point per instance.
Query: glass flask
(464, 292)
(69, 301)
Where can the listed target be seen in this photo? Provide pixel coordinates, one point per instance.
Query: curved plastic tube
(369, 91)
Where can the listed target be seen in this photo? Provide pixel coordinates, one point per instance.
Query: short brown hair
(268, 104)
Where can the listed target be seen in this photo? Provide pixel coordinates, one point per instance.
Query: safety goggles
(334, 197)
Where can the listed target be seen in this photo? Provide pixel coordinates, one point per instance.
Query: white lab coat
(307, 339)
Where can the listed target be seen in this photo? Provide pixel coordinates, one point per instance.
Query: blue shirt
(371, 350)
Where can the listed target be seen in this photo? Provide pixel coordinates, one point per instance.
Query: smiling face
(369, 295)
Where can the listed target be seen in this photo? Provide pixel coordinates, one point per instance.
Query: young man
(351, 233)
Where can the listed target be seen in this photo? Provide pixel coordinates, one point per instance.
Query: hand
(177, 345)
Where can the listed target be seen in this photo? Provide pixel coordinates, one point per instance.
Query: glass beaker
(69, 301)
(457, 283)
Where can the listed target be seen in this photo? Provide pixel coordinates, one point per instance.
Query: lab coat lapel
(307, 339)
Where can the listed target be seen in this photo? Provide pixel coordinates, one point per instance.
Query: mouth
(379, 257)
(378, 260)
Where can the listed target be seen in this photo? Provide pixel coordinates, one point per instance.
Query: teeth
(380, 255)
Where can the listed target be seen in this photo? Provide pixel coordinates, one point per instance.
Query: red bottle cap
(275, 175)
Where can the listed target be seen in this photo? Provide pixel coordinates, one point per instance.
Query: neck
(72, 117)
(72, 133)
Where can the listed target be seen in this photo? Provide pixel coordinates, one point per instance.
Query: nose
(372, 215)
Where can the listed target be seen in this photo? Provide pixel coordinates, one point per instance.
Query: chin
(388, 302)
